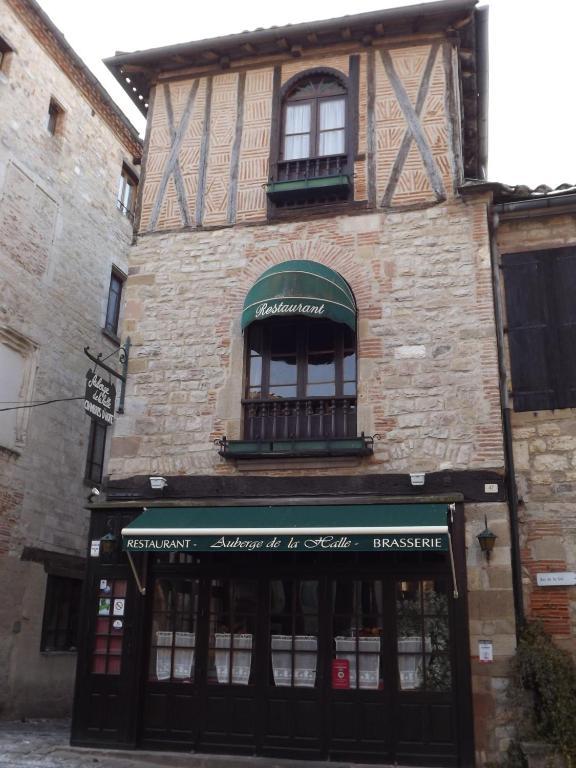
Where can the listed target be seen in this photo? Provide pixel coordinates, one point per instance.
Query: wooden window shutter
(530, 330)
(564, 310)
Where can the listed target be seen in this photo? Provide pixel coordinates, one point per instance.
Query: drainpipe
(510, 476)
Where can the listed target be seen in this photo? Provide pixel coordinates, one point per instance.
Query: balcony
(291, 427)
(291, 418)
(310, 179)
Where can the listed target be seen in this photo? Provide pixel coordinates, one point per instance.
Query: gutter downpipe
(482, 80)
(510, 477)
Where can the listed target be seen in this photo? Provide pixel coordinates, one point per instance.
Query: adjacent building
(535, 255)
(67, 178)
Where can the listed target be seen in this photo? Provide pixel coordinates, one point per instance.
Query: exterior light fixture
(417, 478)
(486, 539)
(108, 542)
(158, 483)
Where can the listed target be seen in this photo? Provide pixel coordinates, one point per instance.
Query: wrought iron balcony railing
(311, 168)
(313, 418)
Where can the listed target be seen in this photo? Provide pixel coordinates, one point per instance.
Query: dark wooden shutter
(527, 287)
(564, 313)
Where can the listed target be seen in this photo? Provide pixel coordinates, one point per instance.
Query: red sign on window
(340, 673)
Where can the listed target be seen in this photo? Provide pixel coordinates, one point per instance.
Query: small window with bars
(61, 611)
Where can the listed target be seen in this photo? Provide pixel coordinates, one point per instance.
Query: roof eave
(141, 67)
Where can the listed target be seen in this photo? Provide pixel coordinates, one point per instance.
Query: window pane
(255, 370)
(321, 368)
(349, 366)
(278, 391)
(332, 114)
(321, 390)
(332, 143)
(173, 638)
(283, 370)
(232, 624)
(298, 119)
(297, 146)
(358, 627)
(293, 632)
(255, 339)
(349, 389)
(113, 308)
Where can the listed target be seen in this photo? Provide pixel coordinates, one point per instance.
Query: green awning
(300, 287)
(358, 527)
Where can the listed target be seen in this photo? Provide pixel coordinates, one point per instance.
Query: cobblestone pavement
(45, 744)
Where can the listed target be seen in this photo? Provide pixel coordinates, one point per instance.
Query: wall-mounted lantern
(487, 539)
(109, 542)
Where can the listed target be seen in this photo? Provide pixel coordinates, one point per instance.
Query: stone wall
(60, 233)
(427, 371)
(545, 459)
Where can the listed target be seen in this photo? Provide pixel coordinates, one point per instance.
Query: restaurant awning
(300, 287)
(358, 527)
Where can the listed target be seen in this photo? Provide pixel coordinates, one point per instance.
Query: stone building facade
(536, 228)
(224, 206)
(62, 150)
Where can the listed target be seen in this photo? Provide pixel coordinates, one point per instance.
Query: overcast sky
(532, 71)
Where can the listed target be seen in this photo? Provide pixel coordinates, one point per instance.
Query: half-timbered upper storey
(380, 110)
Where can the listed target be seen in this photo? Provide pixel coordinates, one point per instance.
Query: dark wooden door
(106, 672)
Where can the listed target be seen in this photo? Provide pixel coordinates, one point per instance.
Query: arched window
(314, 118)
(300, 380)
(300, 329)
(310, 160)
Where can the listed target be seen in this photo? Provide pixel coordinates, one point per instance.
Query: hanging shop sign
(99, 398)
(286, 543)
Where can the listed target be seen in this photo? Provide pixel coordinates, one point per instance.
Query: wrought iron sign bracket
(123, 353)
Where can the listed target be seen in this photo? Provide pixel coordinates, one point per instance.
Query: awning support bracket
(141, 589)
(452, 509)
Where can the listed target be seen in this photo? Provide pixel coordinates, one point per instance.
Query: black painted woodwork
(364, 725)
(541, 322)
(469, 483)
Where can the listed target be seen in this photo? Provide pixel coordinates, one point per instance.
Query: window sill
(299, 449)
(308, 189)
(111, 336)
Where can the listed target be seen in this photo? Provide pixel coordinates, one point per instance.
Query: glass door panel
(174, 624)
(294, 623)
(423, 634)
(232, 613)
(358, 627)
